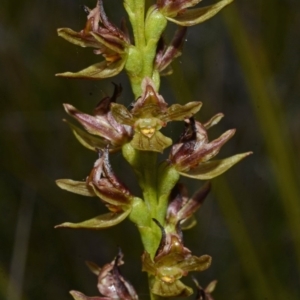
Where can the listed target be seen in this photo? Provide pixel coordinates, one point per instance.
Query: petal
(147, 264)
(177, 112)
(188, 223)
(151, 103)
(77, 187)
(98, 71)
(171, 7)
(112, 46)
(94, 268)
(121, 114)
(211, 286)
(99, 222)
(158, 142)
(175, 289)
(198, 15)
(77, 38)
(211, 169)
(112, 195)
(87, 140)
(213, 121)
(195, 263)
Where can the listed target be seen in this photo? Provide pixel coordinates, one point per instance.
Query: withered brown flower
(102, 128)
(111, 284)
(103, 183)
(107, 39)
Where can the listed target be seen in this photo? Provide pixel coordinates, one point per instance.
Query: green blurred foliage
(244, 62)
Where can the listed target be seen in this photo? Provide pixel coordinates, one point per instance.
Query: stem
(148, 169)
(147, 32)
(136, 12)
(144, 164)
(167, 179)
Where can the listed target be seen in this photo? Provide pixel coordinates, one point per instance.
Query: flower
(102, 124)
(107, 39)
(111, 283)
(149, 114)
(102, 183)
(172, 261)
(178, 11)
(191, 155)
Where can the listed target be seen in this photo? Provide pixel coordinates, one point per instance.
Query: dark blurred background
(244, 62)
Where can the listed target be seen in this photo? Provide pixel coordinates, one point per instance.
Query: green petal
(99, 222)
(147, 264)
(175, 289)
(211, 287)
(198, 15)
(110, 46)
(195, 263)
(94, 268)
(77, 187)
(87, 140)
(213, 121)
(121, 114)
(177, 112)
(158, 142)
(97, 71)
(211, 169)
(76, 38)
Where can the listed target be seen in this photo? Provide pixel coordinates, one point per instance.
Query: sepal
(89, 141)
(100, 70)
(212, 169)
(100, 222)
(196, 16)
(77, 187)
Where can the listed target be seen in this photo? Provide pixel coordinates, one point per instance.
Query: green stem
(149, 185)
(144, 164)
(136, 12)
(167, 178)
(147, 32)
